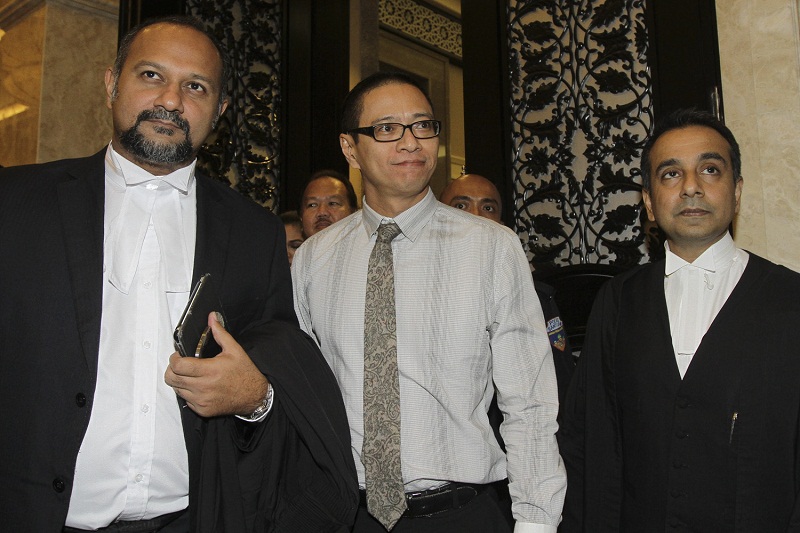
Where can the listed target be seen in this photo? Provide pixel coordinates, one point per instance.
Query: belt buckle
(431, 502)
(427, 492)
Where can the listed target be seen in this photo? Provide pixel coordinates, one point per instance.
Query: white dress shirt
(467, 317)
(132, 463)
(696, 291)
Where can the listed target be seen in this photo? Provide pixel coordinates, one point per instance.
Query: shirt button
(80, 399)
(139, 478)
(147, 284)
(145, 408)
(146, 345)
(681, 434)
(683, 403)
(59, 485)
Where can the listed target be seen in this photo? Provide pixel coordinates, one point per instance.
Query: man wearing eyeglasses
(422, 310)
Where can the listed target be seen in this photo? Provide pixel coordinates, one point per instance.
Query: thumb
(223, 338)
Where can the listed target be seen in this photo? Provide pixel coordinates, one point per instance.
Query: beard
(154, 152)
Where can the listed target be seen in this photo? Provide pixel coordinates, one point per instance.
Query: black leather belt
(433, 501)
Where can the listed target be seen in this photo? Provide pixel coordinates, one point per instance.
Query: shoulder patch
(555, 330)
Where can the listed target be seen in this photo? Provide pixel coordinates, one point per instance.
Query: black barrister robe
(717, 451)
(292, 473)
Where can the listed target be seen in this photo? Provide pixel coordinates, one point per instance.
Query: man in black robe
(684, 412)
(98, 256)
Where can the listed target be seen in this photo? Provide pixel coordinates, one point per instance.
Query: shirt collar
(411, 221)
(717, 257)
(126, 173)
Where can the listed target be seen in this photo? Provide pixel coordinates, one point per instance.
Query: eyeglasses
(392, 131)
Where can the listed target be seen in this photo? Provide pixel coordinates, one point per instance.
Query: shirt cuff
(267, 407)
(527, 527)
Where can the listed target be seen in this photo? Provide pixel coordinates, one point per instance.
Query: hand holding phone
(192, 334)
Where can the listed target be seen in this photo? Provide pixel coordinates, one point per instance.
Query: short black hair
(175, 20)
(354, 102)
(335, 174)
(682, 118)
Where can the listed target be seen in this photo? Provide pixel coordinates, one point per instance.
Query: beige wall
(759, 51)
(20, 88)
(53, 56)
(74, 120)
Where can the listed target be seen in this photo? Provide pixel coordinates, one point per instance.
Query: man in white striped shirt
(467, 321)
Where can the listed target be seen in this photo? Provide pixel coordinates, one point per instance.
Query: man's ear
(110, 81)
(738, 193)
(222, 107)
(348, 149)
(648, 205)
(220, 110)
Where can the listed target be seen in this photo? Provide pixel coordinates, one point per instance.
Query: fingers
(224, 385)
(185, 366)
(223, 338)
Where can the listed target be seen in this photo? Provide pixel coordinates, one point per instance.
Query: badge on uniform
(555, 330)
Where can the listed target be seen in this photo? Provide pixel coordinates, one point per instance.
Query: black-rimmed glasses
(392, 131)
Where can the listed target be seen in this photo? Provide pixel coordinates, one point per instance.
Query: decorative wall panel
(581, 112)
(423, 24)
(245, 149)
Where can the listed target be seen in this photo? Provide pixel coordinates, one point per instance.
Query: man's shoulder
(239, 203)
(635, 282)
(26, 185)
(469, 223)
(50, 169)
(338, 238)
(773, 275)
(337, 233)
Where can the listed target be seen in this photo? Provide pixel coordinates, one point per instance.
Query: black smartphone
(192, 335)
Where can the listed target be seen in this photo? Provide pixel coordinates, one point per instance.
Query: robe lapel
(662, 331)
(210, 253)
(213, 233)
(708, 357)
(81, 205)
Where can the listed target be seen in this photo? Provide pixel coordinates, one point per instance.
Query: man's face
(474, 194)
(394, 173)
(324, 202)
(693, 197)
(166, 99)
(294, 238)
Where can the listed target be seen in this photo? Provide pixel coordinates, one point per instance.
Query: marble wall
(20, 88)
(52, 59)
(760, 62)
(74, 120)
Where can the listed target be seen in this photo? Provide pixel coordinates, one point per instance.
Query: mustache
(162, 114)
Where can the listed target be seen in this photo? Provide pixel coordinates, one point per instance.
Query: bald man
(478, 195)
(475, 194)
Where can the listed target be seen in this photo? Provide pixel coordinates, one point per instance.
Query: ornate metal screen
(245, 149)
(581, 111)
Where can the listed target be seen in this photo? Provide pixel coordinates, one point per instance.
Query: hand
(228, 384)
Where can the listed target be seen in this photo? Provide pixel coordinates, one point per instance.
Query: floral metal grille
(245, 148)
(581, 112)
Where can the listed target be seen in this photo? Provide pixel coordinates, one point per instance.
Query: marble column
(759, 43)
(53, 55)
